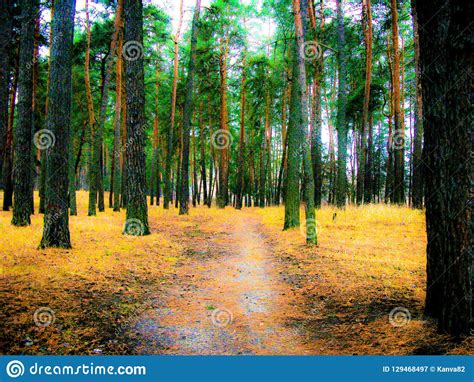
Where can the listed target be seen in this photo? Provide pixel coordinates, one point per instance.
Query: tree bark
(446, 72)
(56, 219)
(417, 176)
(137, 209)
(398, 137)
(341, 123)
(22, 134)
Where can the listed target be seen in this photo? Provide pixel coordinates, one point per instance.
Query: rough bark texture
(116, 184)
(341, 123)
(417, 182)
(446, 72)
(137, 209)
(22, 140)
(5, 47)
(56, 219)
(222, 195)
(187, 113)
(292, 180)
(300, 14)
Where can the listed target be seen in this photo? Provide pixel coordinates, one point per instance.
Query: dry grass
(369, 260)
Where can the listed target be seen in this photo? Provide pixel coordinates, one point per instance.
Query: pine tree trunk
(22, 139)
(341, 124)
(398, 137)
(203, 153)
(5, 47)
(118, 149)
(187, 113)
(362, 165)
(417, 182)
(446, 67)
(300, 14)
(168, 192)
(137, 209)
(56, 219)
(292, 184)
(241, 166)
(223, 134)
(93, 152)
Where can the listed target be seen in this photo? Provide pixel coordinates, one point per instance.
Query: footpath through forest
(229, 299)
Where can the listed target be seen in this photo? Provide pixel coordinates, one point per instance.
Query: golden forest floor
(220, 282)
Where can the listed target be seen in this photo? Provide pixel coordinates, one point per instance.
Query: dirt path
(231, 301)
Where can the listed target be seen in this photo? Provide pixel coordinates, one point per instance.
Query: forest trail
(232, 301)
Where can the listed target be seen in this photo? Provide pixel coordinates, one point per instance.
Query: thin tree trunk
(187, 113)
(167, 197)
(398, 137)
(300, 9)
(417, 182)
(118, 149)
(341, 186)
(222, 197)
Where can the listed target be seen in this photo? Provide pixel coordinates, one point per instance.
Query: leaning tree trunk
(137, 209)
(56, 219)
(22, 139)
(187, 113)
(446, 68)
